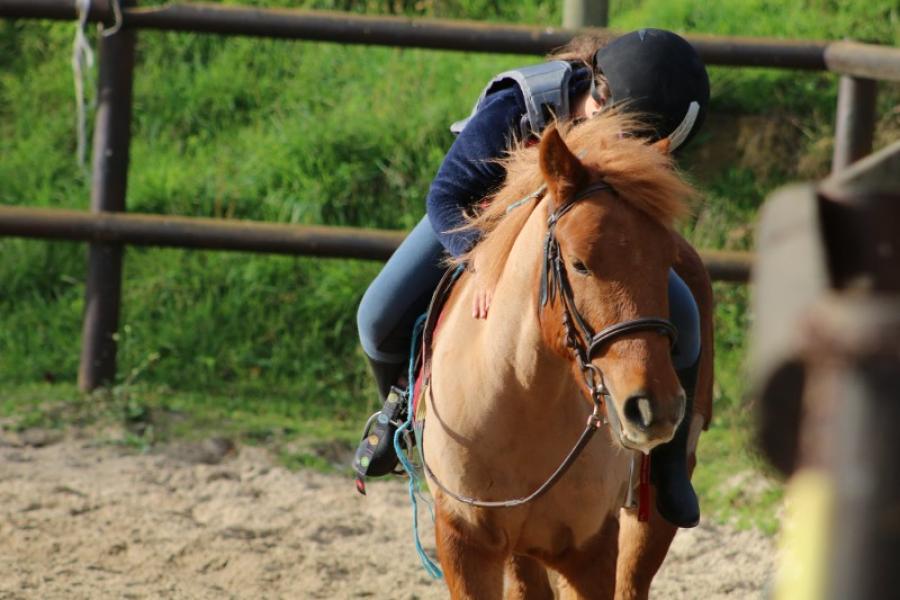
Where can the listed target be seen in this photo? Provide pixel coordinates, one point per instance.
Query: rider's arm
(469, 171)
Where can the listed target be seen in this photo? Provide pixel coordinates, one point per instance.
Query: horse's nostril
(637, 411)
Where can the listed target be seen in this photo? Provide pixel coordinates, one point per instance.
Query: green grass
(733, 483)
(141, 417)
(264, 348)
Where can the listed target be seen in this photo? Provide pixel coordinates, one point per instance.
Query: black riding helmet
(659, 74)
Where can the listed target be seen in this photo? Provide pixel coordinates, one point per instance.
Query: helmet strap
(681, 133)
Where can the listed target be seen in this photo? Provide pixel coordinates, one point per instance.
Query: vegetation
(265, 347)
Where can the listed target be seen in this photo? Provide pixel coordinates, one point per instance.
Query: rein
(582, 341)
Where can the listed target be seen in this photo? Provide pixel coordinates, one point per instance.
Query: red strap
(644, 490)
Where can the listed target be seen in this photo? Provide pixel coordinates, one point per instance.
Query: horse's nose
(644, 414)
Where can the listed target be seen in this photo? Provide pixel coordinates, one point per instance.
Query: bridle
(580, 339)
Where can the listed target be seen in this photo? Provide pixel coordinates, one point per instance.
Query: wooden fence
(107, 228)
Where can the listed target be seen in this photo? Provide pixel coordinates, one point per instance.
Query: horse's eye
(580, 267)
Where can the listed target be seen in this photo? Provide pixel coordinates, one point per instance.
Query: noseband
(580, 337)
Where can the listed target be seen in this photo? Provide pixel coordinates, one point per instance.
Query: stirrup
(375, 455)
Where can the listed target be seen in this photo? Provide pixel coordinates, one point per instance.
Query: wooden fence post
(585, 13)
(855, 121)
(112, 135)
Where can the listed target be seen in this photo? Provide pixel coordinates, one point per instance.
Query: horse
(507, 396)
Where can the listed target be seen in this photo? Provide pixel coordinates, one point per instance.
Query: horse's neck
(512, 340)
(497, 388)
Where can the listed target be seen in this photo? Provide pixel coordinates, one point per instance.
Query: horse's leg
(589, 572)
(642, 548)
(526, 579)
(472, 570)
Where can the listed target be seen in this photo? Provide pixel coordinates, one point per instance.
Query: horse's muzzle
(645, 422)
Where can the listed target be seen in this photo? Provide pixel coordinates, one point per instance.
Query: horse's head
(605, 280)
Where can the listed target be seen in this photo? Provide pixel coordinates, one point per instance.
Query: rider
(651, 71)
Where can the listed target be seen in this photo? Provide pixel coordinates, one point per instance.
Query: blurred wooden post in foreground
(854, 125)
(585, 13)
(825, 361)
(112, 136)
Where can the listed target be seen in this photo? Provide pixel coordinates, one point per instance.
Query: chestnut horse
(507, 396)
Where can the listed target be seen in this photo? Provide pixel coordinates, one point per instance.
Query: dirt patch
(81, 520)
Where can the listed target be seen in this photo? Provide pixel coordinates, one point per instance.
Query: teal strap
(415, 481)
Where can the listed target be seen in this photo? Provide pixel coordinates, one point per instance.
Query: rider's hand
(481, 303)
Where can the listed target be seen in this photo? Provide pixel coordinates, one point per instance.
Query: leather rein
(580, 339)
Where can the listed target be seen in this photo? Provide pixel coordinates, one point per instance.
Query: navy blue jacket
(470, 170)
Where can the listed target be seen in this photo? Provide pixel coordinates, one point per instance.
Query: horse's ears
(662, 145)
(562, 170)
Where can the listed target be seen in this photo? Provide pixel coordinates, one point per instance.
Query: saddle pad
(432, 324)
(419, 387)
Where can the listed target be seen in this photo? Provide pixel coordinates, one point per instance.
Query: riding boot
(386, 375)
(676, 500)
(375, 455)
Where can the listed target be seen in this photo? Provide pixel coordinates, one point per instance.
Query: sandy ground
(84, 520)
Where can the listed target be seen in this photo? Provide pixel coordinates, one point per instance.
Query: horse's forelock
(641, 174)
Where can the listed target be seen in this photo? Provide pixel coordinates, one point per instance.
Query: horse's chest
(571, 514)
(577, 510)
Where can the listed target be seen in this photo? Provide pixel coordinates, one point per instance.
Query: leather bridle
(580, 337)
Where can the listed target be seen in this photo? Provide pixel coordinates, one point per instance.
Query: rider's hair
(581, 49)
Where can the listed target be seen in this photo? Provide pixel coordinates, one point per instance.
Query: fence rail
(200, 233)
(848, 58)
(107, 231)
(250, 236)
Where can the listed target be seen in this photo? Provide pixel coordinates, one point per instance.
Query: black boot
(375, 455)
(386, 375)
(675, 497)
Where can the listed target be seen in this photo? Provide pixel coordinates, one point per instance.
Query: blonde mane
(642, 175)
